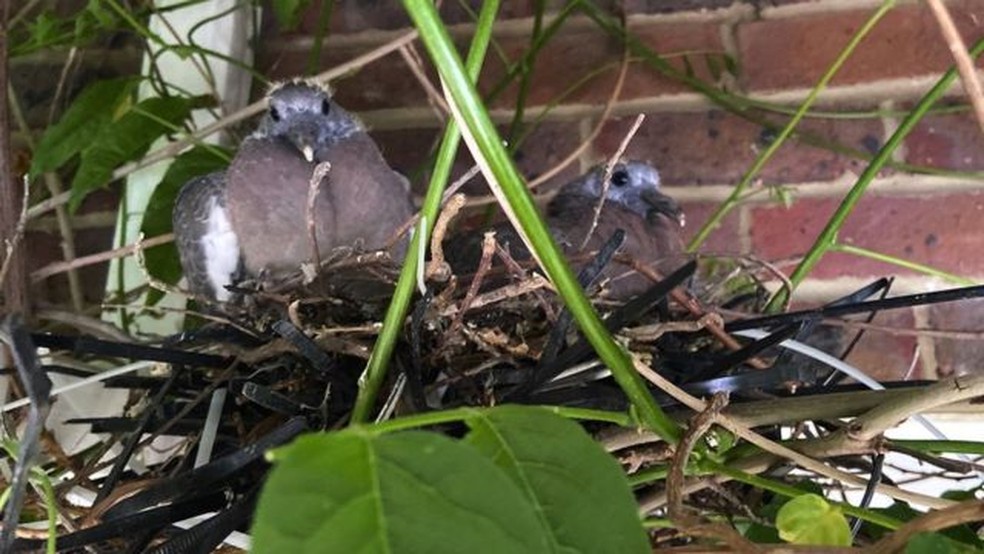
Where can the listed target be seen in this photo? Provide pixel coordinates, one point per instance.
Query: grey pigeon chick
(633, 202)
(256, 212)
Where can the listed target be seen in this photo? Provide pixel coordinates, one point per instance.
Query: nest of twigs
(291, 355)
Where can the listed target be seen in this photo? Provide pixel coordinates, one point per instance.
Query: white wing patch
(221, 248)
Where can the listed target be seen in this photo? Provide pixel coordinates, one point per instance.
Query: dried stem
(314, 185)
(607, 175)
(965, 65)
(99, 257)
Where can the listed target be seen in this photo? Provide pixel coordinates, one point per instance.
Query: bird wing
(207, 246)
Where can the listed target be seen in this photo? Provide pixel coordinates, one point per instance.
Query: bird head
(634, 186)
(303, 113)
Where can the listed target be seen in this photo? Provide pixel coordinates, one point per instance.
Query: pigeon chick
(633, 202)
(252, 219)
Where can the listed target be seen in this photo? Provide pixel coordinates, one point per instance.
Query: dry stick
(438, 267)
(129, 249)
(457, 184)
(314, 185)
(777, 449)
(53, 183)
(970, 511)
(174, 148)
(10, 243)
(607, 175)
(576, 153)
(692, 305)
(412, 59)
(965, 65)
(688, 521)
(518, 271)
(488, 249)
(13, 272)
(533, 284)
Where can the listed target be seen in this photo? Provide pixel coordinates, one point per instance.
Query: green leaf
(809, 519)
(126, 139)
(162, 261)
(355, 491)
(89, 114)
(576, 487)
(288, 12)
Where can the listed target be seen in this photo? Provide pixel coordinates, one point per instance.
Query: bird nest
(291, 357)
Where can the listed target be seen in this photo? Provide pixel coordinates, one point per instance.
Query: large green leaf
(162, 261)
(578, 490)
(355, 491)
(127, 139)
(90, 112)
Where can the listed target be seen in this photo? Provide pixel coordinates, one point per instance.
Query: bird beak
(304, 138)
(662, 204)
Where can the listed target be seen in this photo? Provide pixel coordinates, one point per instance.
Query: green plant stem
(914, 266)
(489, 152)
(877, 518)
(828, 237)
(320, 32)
(426, 419)
(936, 446)
(375, 371)
(725, 207)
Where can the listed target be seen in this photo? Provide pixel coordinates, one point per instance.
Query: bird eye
(325, 107)
(274, 114)
(620, 177)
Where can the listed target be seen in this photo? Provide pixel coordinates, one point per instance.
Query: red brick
(718, 147)
(361, 15)
(723, 240)
(796, 51)
(937, 230)
(576, 54)
(948, 142)
(409, 151)
(954, 356)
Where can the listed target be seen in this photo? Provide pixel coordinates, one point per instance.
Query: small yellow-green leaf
(809, 519)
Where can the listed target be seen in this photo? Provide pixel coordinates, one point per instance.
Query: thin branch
(965, 65)
(607, 175)
(129, 249)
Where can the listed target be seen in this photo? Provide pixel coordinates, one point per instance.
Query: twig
(451, 190)
(13, 272)
(692, 305)
(534, 283)
(778, 449)
(11, 243)
(965, 65)
(580, 149)
(488, 249)
(412, 59)
(438, 268)
(314, 185)
(689, 522)
(518, 271)
(607, 175)
(129, 249)
(970, 511)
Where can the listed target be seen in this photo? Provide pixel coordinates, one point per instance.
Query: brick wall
(780, 48)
